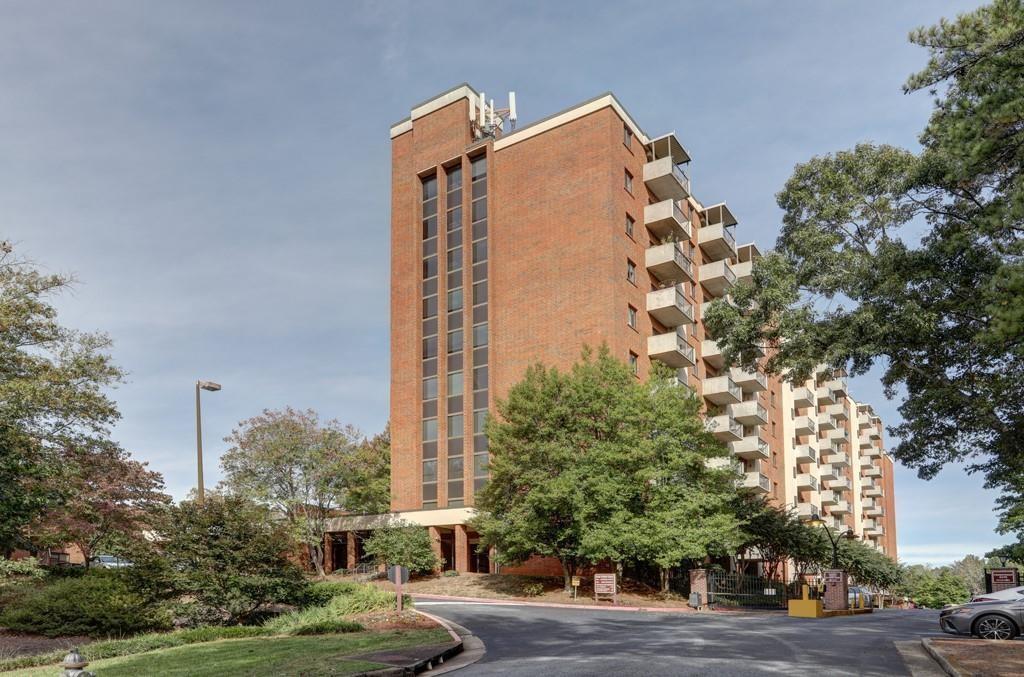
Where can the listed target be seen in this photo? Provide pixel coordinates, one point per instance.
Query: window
(455, 258)
(455, 341)
(429, 267)
(631, 271)
(455, 299)
(430, 347)
(429, 430)
(430, 388)
(455, 425)
(480, 335)
(634, 363)
(454, 383)
(479, 378)
(430, 307)
(630, 222)
(628, 184)
(627, 136)
(479, 419)
(631, 316)
(429, 471)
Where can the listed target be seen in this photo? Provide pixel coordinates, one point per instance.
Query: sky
(216, 175)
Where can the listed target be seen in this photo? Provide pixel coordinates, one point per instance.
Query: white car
(1001, 596)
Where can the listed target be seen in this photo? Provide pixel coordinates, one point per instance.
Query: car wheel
(994, 627)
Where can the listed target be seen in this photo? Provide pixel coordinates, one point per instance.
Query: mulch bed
(392, 620)
(983, 657)
(16, 644)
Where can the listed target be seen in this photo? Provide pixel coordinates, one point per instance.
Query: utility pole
(212, 387)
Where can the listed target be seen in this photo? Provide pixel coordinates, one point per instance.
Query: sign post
(575, 585)
(1001, 579)
(398, 575)
(604, 584)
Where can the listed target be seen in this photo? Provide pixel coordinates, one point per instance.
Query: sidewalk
(554, 605)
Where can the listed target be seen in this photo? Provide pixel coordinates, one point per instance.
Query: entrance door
(448, 550)
(479, 558)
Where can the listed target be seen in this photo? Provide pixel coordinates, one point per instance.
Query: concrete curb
(946, 666)
(424, 664)
(555, 605)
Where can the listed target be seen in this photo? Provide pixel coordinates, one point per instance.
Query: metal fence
(748, 592)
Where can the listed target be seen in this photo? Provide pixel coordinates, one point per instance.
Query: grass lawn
(306, 655)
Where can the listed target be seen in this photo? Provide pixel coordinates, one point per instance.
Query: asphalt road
(524, 640)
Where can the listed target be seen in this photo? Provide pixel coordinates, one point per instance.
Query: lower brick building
(512, 246)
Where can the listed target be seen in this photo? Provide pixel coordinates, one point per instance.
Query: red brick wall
(889, 505)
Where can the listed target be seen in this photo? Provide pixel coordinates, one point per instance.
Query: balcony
(671, 348)
(863, 420)
(724, 428)
(806, 481)
(666, 219)
(825, 422)
(871, 471)
(840, 484)
(717, 277)
(828, 472)
(717, 242)
(873, 490)
(806, 510)
(722, 390)
(838, 411)
(756, 481)
(838, 434)
(872, 529)
(804, 425)
(875, 433)
(874, 510)
(711, 353)
(870, 452)
(744, 267)
(803, 397)
(864, 441)
(666, 179)
(837, 386)
(750, 448)
(836, 460)
(829, 497)
(805, 453)
(749, 381)
(840, 508)
(667, 263)
(669, 307)
(823, 394)
(749, 413)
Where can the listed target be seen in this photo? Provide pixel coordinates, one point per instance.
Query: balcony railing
(840, 508)
(717, 277)
(828, 472)
(805, 453)
(711, 353)
(724, 428)
(717, 242)
(824, 395)
(722, 390)
(666, 179)
(829, 497)
(756, 481)
(750, 448)
(840, 483)
(749, 381)
(749, 413)
(804, 425)
(806, 510)
(836, 460)
(806, 481)
(825, 421)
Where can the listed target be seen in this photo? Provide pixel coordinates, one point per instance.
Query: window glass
(455, 258)
(480, 377)
(479, 420)
(479, 167)
(631, 271)
(429, 188)
(455, 467)
(429, 430)
(455, 299)
(430, 306)
(429, 227)
(429, 267)
(629, 225)
(634, 365)
(479, 209)
(480, 292)
(631, 316)
(430, 388)
(454, 219)
(455, 383)
(455, 425)
(479, 251)
(429, 471)
(480, 335)
(627, 136)
(455, 341)
(430, 347)
(628, 182)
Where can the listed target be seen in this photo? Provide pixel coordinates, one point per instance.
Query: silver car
(998, 619)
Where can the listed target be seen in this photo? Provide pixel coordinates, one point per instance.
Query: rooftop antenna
(491, 121)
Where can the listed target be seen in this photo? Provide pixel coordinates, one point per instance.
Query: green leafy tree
(1006, 555)
(367, 480)
(914, 261)
(404, 544)
(938, 591)
(107, 497)
(593, 465)
(305, 470)
(52, 391)
(866, 565)
(226, 557)
(970, 570)
(774, 535)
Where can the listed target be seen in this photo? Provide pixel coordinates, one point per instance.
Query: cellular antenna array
(489, 121)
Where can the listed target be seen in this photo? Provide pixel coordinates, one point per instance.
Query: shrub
(328, 627)
(533, 589)
(405, 544)
(321, 592)
(319, 619)
(15, 570)
(451, 573)
(100, 604)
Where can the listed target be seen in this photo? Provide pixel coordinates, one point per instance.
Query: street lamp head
(815, 520)
(209, 385)
(849, 535)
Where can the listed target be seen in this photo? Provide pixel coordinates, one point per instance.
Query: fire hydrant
(73, 664)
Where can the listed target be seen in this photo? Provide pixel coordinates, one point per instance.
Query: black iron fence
(750, 592)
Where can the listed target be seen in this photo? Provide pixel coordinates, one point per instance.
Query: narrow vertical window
(628, 183)
(631, 271)
(630, 223)
(634, 363)
(631, 316)
(627, 136)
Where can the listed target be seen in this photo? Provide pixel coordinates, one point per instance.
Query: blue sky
(217, 174)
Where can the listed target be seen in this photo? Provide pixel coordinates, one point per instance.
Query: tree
(105, 496)
(226, 557)
(593, 465)
(367, 483)
(970, 570)
(301, 468)
(938, 591)
(914, 261)
(403, 544)
(866, 565)
(52, 383)
(776, 535)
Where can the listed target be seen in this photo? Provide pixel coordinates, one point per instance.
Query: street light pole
(816, 521)
(212, 387)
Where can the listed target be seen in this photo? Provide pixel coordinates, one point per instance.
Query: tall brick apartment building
(511, 247)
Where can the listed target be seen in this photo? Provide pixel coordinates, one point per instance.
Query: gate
(748, 592)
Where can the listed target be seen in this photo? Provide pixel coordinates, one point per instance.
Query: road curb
(424, 664)
(555, 605)
(943, 662)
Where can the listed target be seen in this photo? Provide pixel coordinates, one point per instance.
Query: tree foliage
(914, 261)
(225, 557)
(106, 497)
(935, 592)
(592, 465)
(403, 544)
(306, 470)
(52, 390)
